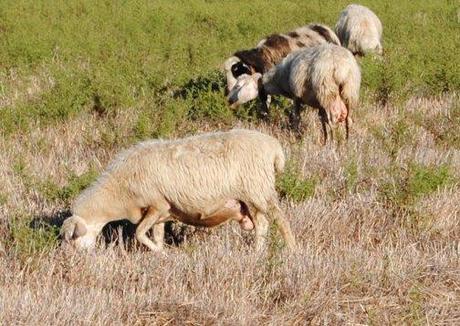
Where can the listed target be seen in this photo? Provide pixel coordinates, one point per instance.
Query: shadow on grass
(115, 233)
(212, 82)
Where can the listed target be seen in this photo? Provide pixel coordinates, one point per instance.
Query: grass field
(377, 219)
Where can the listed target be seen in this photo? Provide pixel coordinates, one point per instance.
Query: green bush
(26, 241)
(410, 184)
(53, 192)
(295, 187)
(351, 175)
(130, 54)
(424, 180)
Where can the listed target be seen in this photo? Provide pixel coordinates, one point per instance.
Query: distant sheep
(201, 180)
(360, 30)
(326, 77)
(271, 50)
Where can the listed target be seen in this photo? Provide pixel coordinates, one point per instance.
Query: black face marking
(300, 44)
(293, 34)
(239, 69)
(324, 33)
(252, 59)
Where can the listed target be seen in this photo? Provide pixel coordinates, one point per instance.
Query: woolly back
(193, 170)
(314, 35)
(275, 47)
(359, 30)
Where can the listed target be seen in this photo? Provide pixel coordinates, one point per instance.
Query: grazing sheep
(360, 30)
(271, 50)
(326, 77)
(201, 180)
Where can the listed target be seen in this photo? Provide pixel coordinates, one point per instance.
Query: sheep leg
(151, 217)
(331, 130)
(347, 128)
(265, 102)
(261, 227)
(268, 102)
(324, 123)
(283, 226)
(348, 123)
(294, 116)
(159, 234)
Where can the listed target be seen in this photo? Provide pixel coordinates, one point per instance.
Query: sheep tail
(337, 87)
(349, 89)
(327, 90)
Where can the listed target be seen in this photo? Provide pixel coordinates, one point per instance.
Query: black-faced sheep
(200, 180)
(271, 50)
(326, 77)
(360, 30)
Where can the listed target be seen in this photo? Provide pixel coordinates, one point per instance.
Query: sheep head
(76, 231)
(231, 79)
(246, 89)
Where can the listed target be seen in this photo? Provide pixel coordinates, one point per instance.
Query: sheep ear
(67, 229)
(72, 229)
(80, 230)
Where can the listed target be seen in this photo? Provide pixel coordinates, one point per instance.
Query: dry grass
(373, 247)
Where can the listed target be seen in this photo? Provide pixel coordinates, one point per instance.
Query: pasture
(376, 219)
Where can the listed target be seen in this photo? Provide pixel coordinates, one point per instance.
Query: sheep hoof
(161, 253)
(264, 116)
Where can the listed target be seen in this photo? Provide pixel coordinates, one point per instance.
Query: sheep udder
(338, 110)
(243, 219)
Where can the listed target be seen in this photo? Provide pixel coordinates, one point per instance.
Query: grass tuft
(27, 241)
(295, 187)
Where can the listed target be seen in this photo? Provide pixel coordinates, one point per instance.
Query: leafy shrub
(415, 182)
(75, 185)
(351, 175)
(295, 187)
(26, 241)
(141, 47)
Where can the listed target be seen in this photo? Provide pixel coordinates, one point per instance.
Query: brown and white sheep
(360, 30)
(201, 180)
(326, 77)
(271, 50)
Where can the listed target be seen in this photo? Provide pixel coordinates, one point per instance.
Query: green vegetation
(136, 54)
(53, 192)
(295, 187)
(351, 174)
(408, 186)
(28, 240)
(415, 182)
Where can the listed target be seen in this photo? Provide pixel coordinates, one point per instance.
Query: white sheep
(200, 180)
(326, 77)
(271, 50)
(360, 30)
